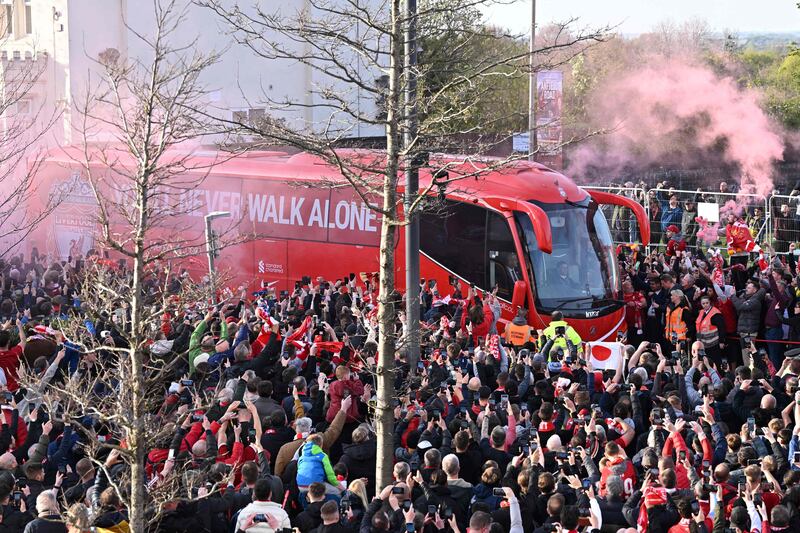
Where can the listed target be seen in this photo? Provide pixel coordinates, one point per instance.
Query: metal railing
(773, 220)
(621, 220)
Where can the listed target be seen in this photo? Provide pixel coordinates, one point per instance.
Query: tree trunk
(136, 440)
(386, 311)
(137, 511)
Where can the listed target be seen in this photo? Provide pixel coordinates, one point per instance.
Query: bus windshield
(581, 273)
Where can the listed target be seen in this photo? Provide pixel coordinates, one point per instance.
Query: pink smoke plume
(675, 109)
(709, 234)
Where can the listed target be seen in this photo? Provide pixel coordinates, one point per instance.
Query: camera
(398, 490)
(187, 382)
(432, 510)
(562, 456)
(498, 491)
(584, 513)
(561, 331)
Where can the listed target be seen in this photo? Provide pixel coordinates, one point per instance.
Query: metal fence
(784, 221)
(682, 207)
(622, 220)
(773, 220)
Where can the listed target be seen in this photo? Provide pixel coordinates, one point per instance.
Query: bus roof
(468, 177)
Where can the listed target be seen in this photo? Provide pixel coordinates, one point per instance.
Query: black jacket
(470, 461)
(46, 524)
(335, 528)
(360, 461)
(310, 518)
(14, 520)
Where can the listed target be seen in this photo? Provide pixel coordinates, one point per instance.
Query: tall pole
(211, 250)
(412, 183)
(210, 253)
(532, 145)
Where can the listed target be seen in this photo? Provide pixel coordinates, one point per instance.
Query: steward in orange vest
(518, 332)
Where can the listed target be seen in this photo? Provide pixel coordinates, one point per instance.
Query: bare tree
(135, 122)
(353, 50)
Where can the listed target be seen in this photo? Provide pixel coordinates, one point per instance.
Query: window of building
(23, 107)
(7, 22)
(28, 18)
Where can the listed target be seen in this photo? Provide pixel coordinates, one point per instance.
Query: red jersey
(624, 469)
(740, 239)
(634, 310)
(9, 362)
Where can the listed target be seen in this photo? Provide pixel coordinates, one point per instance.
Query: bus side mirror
(519, 295)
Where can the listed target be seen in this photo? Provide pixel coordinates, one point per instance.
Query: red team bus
(526, 229)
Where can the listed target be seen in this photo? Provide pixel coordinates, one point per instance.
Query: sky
(638, 16)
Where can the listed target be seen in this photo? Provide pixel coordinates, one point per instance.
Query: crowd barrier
(773, 220)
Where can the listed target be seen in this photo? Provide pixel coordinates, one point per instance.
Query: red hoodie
(628, 476)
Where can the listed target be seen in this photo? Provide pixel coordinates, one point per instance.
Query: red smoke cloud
(674, 110)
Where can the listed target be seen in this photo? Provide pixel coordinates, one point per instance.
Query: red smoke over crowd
(679, 110)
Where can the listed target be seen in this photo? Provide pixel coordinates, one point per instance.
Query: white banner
(605, 355)
(708, 211)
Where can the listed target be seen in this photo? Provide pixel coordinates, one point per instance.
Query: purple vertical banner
(549, 99)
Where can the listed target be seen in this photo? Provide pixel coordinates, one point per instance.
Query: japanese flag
(605, 355)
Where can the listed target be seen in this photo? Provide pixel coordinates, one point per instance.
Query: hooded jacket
(749, 309)
(336, 391)
(314, 465)
(360, 461)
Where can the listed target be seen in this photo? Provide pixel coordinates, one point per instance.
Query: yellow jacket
(569, 333)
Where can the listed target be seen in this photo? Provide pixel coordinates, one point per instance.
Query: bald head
(721, 473)
(696, 347)
(554, 443)
(474, 384)
(768, 401)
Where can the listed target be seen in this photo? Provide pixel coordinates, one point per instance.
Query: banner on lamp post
(549, 101)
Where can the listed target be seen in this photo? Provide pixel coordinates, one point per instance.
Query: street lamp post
(211, 250)
(412, 184)
(532, 144)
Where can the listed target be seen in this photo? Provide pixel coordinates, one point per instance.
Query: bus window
(454, 238)
(502, 266)
(581, 273)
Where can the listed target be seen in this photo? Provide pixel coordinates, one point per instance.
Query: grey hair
(303, 425)
(226, 394)
(46, 502)
(614, 486)
(450, 464)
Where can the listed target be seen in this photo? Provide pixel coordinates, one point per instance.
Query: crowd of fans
(673, 214)
(271, 399)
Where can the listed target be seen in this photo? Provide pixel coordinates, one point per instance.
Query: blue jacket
(669, 215)
(314, 465)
